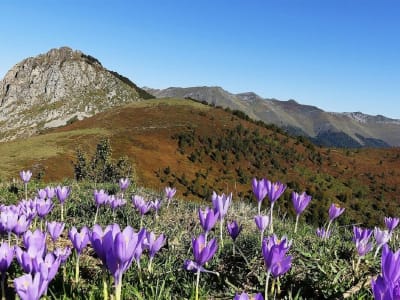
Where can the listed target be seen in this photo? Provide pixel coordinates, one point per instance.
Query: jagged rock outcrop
(52, 88)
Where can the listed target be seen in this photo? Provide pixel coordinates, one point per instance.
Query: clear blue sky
(341, 55)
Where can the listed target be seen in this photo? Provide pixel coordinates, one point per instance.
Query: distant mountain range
(350, 130)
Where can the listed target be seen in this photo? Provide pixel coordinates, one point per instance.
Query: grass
(321, 269)
(41, 147)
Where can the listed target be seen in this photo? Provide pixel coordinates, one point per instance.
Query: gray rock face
(49, 89)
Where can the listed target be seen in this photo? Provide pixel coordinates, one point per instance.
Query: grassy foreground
(320, 268)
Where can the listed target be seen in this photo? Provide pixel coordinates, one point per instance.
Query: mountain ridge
(50, 89)
(355, 129)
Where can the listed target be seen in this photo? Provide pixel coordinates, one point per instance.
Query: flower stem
(77, 269)
(62, 212)
(139, 273)
(266, 285)
(297, 221)
(141, 222)
(376, 251)
(95, 216)
(271, 225)
(118, 289)
(358, 264)
(149, 266)
(327, 228)
(259, 208)
(221, 224)
(197, 284)
(3, 290)
(105, 286)
(26, 190)
(261, 236)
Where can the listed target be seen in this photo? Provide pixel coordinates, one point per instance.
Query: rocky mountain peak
(49, 89)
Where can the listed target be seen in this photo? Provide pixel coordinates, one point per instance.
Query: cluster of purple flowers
(118, 249)
(39, 265)
(273, 190)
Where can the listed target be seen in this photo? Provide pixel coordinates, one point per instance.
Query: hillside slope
(349, 130)
(199, 149)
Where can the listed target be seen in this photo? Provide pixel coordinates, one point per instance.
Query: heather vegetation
(94, 240)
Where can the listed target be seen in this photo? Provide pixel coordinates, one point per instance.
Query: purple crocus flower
(116, 202)
(274, 190)
(124, 184)
(207, 218)
(50, 191)
(25, 259)
(35, 242)
(361, 233)
(169, 193)
(25, 176)
(62, 193)
(47, 266)
(322, 233)
(144, 209)
(62, 254)
(154, 244)
(42, 194)
(274, 253)
(100, 197)
(43, 207)
(156, 205)
(390, 265)
(30, 288)
(391, 223)
(335, 211)
(363, 246)
(259, 191)
(234, 229)
(6, 257)
(382, 237)
(221, 204)
(122, 252)
(28, 208)
(79, 239)
(300, 202)
(22, 225)
(97, 240)
(140, 247)
(262, 222)
(203, 252)
(8, 219)
(55, 229)
(244, 296)
(383, 290)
